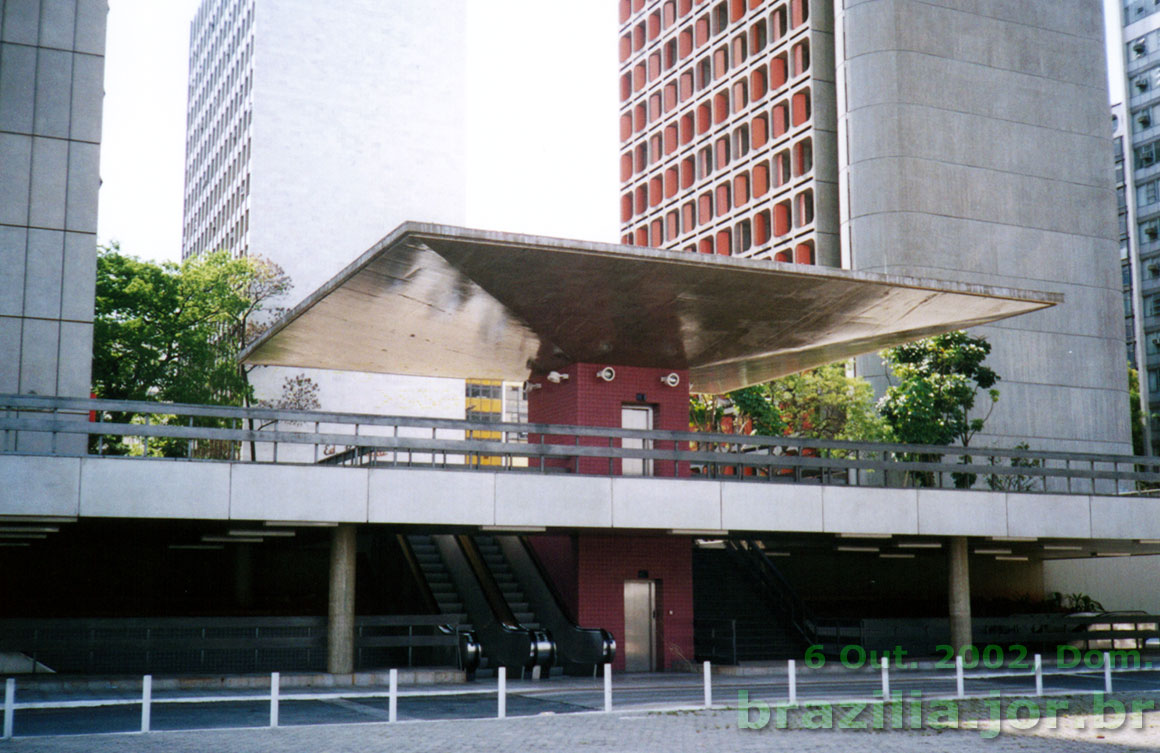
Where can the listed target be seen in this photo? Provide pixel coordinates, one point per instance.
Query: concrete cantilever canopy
(445, 301)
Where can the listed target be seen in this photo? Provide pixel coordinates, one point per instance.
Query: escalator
(528, 590)
(460, 583)
(440, 596)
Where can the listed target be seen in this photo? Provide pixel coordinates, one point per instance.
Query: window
(723, 199)
(704, 162)
(722, 151)
(1147, 194)
(740, 48)
(801, 107)
(743, 237)
(741, 189)
(803, 157)
(704, 72)
(778, 23)
(720, 61)
(705, 208)
(801, 57)
(760, 131)
(760, 180)
(1147, 155)
(757, 37)
(804, 208)
(720, 17)
(741, 141)
(781, 168)
(740, 95)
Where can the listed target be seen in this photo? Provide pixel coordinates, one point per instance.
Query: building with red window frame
(728, 129)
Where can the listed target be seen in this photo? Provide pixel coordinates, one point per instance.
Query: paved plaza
(670, 732)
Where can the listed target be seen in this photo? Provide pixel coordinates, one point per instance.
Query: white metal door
(636, 417)
(639, 625)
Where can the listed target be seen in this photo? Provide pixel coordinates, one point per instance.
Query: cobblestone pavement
(672, 732)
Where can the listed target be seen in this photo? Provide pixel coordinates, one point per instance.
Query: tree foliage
(822, 403)
(937, 381)
(173, 332)
(1136, 411)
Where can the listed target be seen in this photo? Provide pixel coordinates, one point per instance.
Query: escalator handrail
(500, 609)
(417, 575)
(608, 642)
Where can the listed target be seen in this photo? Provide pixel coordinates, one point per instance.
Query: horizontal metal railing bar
(284, 695)
(436, 446)
(84, 405)
(289, 695)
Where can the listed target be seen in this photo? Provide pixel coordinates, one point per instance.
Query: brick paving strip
(671, 732)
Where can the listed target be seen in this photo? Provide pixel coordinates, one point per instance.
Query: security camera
(607, 374)
(671, 380)
(556, 377)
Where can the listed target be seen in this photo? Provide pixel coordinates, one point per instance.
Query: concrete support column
(960, 594)
(340, 633)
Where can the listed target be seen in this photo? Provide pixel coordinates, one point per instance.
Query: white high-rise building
(312, 130)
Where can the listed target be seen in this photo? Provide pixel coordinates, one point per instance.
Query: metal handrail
(733, 456)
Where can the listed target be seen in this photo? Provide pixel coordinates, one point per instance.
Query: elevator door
(639, 625)
(636, 417)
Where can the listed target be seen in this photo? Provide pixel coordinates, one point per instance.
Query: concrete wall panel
(139, 488)
(1125, 518)
(771, 507)
(417, 496)
(278, 492)
(852, 510)
(961, 513)
(541, 500)
(39, 485)
(665, 503)
(1048, 515)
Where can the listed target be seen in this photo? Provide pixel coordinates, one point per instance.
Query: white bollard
(960, 689)
(1038, 674)
(275, 691)
(792, 682)
(502, 712)
(146, 702)
(885, 679)
(393, 703)
(607, 688)
(9, 706)
(708, 686)
(1107, 672)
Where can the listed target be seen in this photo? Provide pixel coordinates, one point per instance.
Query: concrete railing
(34, 425)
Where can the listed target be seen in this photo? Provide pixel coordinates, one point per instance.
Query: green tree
(173, 332)
(1136, 412)
(827, 403)
(936, 383)
(822, 403)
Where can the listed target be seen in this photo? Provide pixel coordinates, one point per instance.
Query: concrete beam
(164, 489)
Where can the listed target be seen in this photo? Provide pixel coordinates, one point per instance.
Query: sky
(573, 77)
